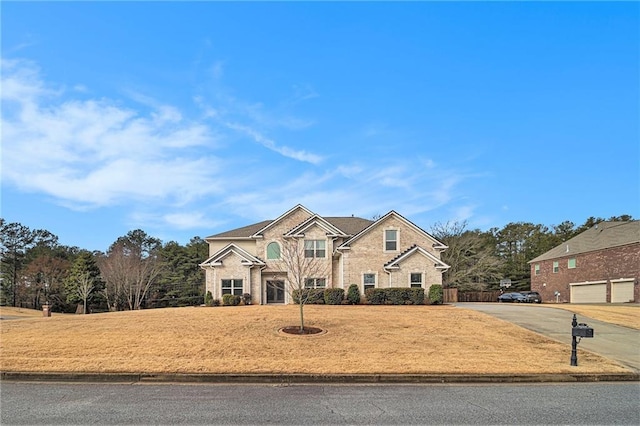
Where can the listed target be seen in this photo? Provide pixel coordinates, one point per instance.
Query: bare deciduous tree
(130, 268)
(83, 289)
(299, 266)
(471, 256)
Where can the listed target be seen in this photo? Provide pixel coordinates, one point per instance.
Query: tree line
(139, 271)
(480, 259)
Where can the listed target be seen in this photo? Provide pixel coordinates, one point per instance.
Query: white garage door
(589, 293)
(622, 291)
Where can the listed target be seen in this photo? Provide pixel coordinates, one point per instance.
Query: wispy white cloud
(171, 171)
(299, 155)
(91, 153)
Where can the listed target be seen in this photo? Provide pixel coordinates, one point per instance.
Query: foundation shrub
(208, 299)
(353, 294)
(311, 296)
(230, 300)
(395, 296)
(333, 296)
(416, 295)
(375, 296)
(246, 298)
(435, 294)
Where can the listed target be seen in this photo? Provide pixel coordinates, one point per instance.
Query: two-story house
(600, 265)
(388, 252)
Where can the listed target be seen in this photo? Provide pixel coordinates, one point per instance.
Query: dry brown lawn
(245, 339)
(625, 315)
(8, 311)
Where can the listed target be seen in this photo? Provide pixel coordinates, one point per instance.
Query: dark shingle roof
(349, 225)
(244, 232)
(601, 236)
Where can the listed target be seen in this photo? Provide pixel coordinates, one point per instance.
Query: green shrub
(333, 296)
(246, 298)
(215, 302)
(396, 296)
(208, 299)
(416, 295)
(310, 296)
(375, 296)
(230, 300)
(435, 294)
(353, 294)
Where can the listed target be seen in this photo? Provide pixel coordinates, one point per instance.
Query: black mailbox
(582, 330)
(577, 333)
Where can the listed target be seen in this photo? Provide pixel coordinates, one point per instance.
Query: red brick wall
(608, 264)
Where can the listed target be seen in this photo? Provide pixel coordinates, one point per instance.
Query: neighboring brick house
(600, 265)
(388, 252)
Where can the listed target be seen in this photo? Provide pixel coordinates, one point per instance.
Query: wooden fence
(449, 295)
(478, 296)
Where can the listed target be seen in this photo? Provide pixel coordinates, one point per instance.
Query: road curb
(315, 378)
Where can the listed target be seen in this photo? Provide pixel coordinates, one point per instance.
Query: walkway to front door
(275, 291)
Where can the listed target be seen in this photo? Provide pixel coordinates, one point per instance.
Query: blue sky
(187, 119)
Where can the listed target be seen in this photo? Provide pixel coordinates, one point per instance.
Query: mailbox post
(578, 331)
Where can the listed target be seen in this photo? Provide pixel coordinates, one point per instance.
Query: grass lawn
(625, 315)
(245, 339)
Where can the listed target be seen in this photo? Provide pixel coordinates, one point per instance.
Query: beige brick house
(388, 252)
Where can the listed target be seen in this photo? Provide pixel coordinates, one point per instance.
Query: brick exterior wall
(603, 265)
(366, 255)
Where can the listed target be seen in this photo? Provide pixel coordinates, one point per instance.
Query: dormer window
(391, 240)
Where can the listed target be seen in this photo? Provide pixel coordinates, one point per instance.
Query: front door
(275, 291)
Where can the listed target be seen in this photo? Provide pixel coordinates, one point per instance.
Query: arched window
(273, 250)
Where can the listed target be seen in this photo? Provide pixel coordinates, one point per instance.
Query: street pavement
(197, 404)
(619, 343)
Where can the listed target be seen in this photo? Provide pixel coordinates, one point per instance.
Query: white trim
(330, 230)
(437, 244)
(588, 283)
(375, 275)
(623, 280)
(247, 258)
(279, 218)
(396, 263)
(384, 239)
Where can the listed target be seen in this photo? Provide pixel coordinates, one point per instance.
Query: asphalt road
(110, 404)
(612, 341)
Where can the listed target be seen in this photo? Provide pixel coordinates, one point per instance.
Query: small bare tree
(299, 266)
(84, 287)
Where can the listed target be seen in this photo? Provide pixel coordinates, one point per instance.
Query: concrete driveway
(612, 341)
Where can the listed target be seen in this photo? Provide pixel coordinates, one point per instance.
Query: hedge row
(395, 296)
(319, 296)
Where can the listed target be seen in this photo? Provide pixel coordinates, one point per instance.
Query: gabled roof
(436, 244)
(258, 233)
(239, 233)
(315, 220)
(395, 263)
(604, 235)
(350, 225)
(246, 257)
(347, 226)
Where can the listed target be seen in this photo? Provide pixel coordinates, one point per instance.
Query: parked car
(512, 297)
(532, 296)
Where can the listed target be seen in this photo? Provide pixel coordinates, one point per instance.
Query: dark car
(512, 297)
(532, 296)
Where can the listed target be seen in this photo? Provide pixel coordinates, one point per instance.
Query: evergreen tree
(84, 284)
